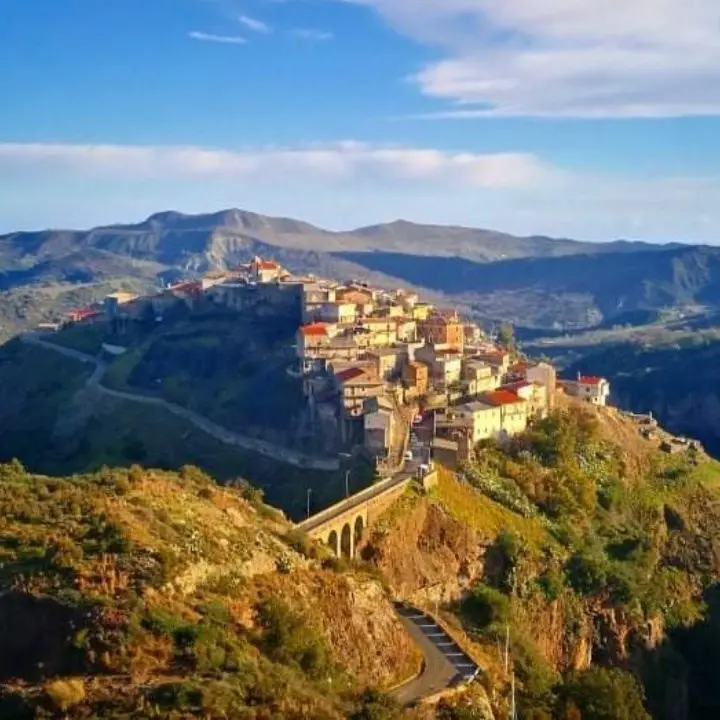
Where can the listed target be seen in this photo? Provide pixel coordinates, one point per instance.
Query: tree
(506, 337)
(602, 694)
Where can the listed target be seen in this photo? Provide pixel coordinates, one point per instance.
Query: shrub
(302, 543)
(375, 705)
(287, 638)
(161, 622)
(486, 606)
(551, 582)
(65, 694)
(586, 572)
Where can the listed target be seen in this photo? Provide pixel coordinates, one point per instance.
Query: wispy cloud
(254, 25)
(579, 58)
(336, 161)
(209, 37)
(311, 34)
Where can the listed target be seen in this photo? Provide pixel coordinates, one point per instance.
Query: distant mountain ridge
(536, 281)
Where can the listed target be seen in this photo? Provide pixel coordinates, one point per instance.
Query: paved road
(445, 664)
(220, 433)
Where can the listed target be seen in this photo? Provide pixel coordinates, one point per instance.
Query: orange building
(443, 327)
(417, 377)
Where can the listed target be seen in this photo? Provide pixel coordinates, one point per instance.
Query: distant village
(394, 367)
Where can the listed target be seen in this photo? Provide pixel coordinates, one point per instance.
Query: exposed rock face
(357, 619)
(429, 555)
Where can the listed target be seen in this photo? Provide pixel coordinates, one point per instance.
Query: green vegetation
(601, 694)
(589, 522)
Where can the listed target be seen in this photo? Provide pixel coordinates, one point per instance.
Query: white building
(591, 389)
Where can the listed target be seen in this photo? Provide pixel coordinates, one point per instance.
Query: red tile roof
(590, 380)
(315, 329)
(84, 313)
(261, 264)
(349, 374)
(501, 397)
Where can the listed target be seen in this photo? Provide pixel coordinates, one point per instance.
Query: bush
(287, 638)
(375, 705)
(486, 606)
(551, 582)
(65, 694)
(587, 572)
(302, 543)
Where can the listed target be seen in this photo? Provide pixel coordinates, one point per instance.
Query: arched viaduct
(341, 526)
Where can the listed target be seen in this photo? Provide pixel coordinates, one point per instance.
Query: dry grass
(65, 694)
(482, 514)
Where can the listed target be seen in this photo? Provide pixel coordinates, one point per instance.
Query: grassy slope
(133, 590)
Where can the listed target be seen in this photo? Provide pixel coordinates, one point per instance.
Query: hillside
(677, 381)
(170, 244)
(56, 423)
(145, 594)
(578, 290)
(153, 594)
(597, 551)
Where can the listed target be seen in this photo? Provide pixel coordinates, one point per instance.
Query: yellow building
(483, 420)
(421, 311)
(479, 377)
(383, 331)
(513, 410)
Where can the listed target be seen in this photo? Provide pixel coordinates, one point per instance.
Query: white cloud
(257, 26)
(312, 34)
(336, 161)
(209, 37)
(576, 58)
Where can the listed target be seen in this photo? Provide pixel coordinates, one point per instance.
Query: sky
(576, 118)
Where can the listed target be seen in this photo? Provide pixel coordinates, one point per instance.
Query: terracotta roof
(349, 374)
(501, 397)
(84, 313)
(590, 380)
(315, 329)
(261, 264)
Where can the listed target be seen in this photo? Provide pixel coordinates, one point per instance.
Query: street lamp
(347, 456)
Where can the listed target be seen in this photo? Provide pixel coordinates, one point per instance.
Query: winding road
(276, 452)
(444, 663)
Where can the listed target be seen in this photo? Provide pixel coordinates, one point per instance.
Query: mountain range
(532, 281)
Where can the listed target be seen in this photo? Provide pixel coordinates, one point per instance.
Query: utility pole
(507, 648)
(513, 710)
(309, 492)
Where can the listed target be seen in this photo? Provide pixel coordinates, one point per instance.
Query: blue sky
(575, 118)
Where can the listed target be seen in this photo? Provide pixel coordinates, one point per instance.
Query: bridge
(341, 526)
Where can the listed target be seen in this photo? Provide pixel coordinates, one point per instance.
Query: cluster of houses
(375, 358)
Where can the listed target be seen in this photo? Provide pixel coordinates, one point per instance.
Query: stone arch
(332, 542)
(346, 541)
(358, 530)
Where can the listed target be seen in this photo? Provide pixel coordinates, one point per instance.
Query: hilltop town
(381, 371)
